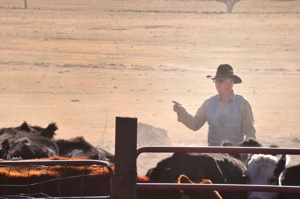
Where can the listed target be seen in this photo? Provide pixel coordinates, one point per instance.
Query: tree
(229, 4)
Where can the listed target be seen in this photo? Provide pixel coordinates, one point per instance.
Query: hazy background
(83, 63)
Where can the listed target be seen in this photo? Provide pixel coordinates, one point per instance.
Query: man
(229, 115)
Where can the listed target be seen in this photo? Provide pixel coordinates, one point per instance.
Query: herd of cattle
(31, 142)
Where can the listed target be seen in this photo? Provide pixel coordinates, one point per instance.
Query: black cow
(219, 168)
(47, 132)
(290, 177)
(21, 145)
(27, 142)
(79, 147)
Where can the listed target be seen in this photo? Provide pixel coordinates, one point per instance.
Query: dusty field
(83, 63)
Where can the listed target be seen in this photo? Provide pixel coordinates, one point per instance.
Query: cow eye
(273, 180)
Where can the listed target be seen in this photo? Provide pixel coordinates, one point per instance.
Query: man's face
(223, 84)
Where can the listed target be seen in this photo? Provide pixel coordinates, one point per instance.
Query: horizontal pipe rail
(53, 162)
(50, 197)
(219, 187)
(219, 149)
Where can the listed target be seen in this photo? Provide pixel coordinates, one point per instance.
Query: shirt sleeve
(248, 121)
(194, 122)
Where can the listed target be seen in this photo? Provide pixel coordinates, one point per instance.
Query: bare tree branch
(229, 3)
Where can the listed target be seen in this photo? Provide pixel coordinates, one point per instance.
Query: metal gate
(126, 154)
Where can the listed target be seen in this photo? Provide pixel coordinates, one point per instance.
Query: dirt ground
(83, 63)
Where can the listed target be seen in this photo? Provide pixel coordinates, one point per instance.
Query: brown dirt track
(82, 63)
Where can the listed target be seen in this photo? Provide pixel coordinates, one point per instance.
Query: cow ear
(25, 127)
(281, 164)
(49, 132)
(5, 145)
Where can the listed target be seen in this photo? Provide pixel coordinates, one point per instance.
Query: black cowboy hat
(225, 70)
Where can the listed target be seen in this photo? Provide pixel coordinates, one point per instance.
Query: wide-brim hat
(225, 70)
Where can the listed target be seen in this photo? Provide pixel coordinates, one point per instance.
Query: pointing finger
(175, 102)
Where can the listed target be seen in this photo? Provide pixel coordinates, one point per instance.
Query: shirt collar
(232, 96)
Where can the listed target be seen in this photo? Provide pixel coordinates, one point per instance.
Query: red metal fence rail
(126, 136)
(208, 149)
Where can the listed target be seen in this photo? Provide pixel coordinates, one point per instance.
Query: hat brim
(236, 79)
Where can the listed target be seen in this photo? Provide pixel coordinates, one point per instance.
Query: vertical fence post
(25, 3)
(125, 158)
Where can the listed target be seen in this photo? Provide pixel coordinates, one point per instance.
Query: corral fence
(32, 167)
(126, 155)
(123, 178)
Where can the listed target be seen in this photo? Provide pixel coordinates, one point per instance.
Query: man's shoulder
(208, 100)
(212, 97)
(244, 102)
(239, 97)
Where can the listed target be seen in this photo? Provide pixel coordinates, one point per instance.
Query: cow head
(21, 149)
(8, 150)
(264, 170)
(79, 147)
(27, 148)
